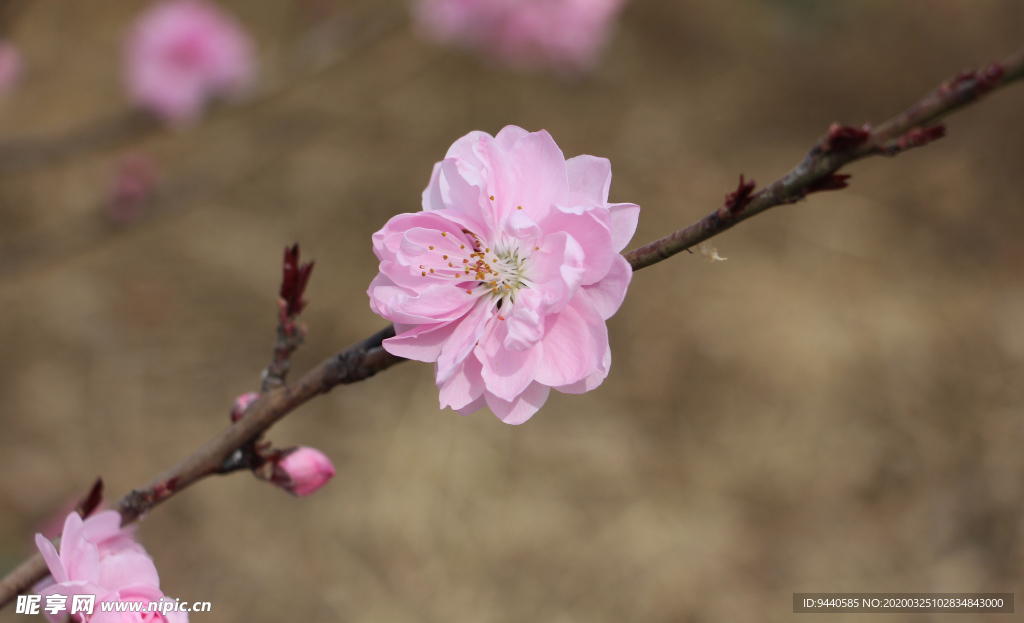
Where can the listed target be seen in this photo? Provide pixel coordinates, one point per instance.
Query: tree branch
(841, 146)
(817, 172)
(358, 28)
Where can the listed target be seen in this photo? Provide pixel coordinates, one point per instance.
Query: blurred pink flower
(302, 471)
(567, 35)
(181, 53)
(10, 66)
(505, 279)
(98, 557)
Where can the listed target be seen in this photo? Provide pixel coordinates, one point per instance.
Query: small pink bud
(10, 66)
(241, 404)
(301, 471)
(132, 185)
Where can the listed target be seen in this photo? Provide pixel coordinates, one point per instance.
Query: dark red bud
(92, 500)
(739, 198)
(294, 281)
(843, 137)
(831, 182)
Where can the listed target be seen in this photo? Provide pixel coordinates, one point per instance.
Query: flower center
(480, 270)
(507, 273)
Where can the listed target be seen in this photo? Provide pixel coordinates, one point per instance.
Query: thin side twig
(842, 145)
(290, 334)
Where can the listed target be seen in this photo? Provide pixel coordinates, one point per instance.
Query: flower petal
(464, 387)
(119, 570)
(474, 406)
(608, 293)
(79, 555)
(574, 343)
(432, 199)
(519, 225)
(539, 169)
(463, 340)
(437, 303)
(591, 229)
(522, 407)
(509, 135)
(52, 558)
(591, 382)
(507, 373)
(462, 195)
(499, 182)
(526, 324)
(556, 270)
(590, 178)
(624, 217)
(422, 342)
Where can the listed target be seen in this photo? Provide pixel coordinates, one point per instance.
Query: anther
(444, 233)
(520, 208)
(424, 273)
(431, 270)
(431, 248)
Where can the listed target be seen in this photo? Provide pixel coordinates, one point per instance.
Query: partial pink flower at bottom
(566, 35)
(10, 66)
(98, 557)
(505, 280)
(182, 53)
(302, 471)
(139, 594)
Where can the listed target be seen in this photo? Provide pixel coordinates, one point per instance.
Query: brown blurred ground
(838, 407)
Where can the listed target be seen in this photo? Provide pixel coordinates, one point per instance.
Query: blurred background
(837, 407)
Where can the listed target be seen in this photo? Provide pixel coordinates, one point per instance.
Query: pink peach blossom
(10, 66)
(98, 557)
(505, 280)
(182, 53)
(302, 471)
(564, 34)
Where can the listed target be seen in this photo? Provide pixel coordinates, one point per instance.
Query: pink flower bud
(131, 187)
(241, 404)
(301, 471)
(10, 66)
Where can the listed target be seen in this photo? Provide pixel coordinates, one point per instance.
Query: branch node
(834, 181)
(739, 198)
(844, 137)
(975, 83)
(915, 137)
